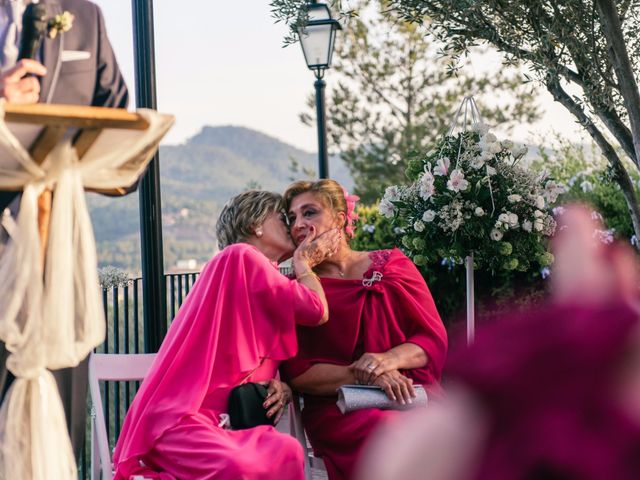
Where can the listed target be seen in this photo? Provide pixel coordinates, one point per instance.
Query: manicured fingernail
(410, 401)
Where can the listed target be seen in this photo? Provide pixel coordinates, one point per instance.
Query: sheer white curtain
(55, 323)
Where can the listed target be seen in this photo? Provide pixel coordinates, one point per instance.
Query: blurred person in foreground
(236, 325)
(551, 394)
(383, 330)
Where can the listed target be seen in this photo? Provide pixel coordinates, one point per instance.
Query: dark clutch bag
(245, 406)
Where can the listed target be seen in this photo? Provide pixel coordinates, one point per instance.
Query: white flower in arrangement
(428, 216)
(486, 155)
(508, 144)
(503, 218)
(527, 225)
(442, 167)
(586, 186)
(552, 190)
(427, 188)
(369, 228)
(538, 214)
(418, 226)
(478, 212)
(386, 208)
(456, 182)
(495, 147)
(519, 151)
(488, 138)
(491, 171)
(392, 193)
(540, 202)
(538, 224)
(481, 128)
(514, 198)
(513, 220)
(477, 162)
(496, 235)
(455, 224)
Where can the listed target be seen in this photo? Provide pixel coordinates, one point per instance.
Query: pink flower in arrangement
(456, 182)
(442, 167)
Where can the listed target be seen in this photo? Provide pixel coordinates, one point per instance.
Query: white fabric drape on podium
(55, 323)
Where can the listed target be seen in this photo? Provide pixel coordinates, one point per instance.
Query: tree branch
(620, 173)
(622, 65)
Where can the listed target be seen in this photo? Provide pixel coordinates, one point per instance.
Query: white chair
(129, 367)
(109, 367)
(297, 430)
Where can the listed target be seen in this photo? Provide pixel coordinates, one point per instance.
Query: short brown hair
(243, 214)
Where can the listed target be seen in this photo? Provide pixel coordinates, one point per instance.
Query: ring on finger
(371, 366)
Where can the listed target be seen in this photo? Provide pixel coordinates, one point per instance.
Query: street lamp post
(317, 38)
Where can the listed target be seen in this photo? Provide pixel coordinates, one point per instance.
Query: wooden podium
(51, 314)
(61, 120)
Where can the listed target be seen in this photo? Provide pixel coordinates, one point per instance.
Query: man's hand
(16, 87)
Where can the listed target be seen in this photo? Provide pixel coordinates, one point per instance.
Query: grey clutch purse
(356, 397)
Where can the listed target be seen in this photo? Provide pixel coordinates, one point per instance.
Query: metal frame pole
(153, 285)
(323, 159)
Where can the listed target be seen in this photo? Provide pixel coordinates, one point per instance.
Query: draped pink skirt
(196, 449)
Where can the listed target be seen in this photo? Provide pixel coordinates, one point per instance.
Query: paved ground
(318, 474)
(284, 427)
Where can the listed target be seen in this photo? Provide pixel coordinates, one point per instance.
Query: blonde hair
(243, 213)
(329, 192)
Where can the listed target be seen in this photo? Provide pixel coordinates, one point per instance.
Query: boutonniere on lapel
(60, 23)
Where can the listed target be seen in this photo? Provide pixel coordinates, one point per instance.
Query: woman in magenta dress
(236, 325)
(384, 329)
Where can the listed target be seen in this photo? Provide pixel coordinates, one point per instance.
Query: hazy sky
(222, 63)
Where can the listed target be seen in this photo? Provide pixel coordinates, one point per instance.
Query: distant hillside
(197, 178)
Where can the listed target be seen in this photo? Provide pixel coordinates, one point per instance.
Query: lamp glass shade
(317, 37)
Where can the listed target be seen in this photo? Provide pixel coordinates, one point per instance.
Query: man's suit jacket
(94, 80)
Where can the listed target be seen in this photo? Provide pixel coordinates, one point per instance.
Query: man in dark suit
(77, 67)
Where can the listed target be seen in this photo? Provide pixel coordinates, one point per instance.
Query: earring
(258, 233)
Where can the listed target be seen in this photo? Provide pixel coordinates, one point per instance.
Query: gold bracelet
(306, 274)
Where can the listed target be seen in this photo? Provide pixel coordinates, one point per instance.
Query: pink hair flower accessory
(352, 216)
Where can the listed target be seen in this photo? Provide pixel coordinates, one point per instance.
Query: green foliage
(373, 230)
(589, 180)
(390, 95)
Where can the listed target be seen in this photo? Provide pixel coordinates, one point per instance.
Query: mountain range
(197, 178)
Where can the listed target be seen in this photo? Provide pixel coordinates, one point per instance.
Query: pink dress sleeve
(415, 313)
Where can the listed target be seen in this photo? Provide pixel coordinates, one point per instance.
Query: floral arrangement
(469, 195)
(60, 23)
